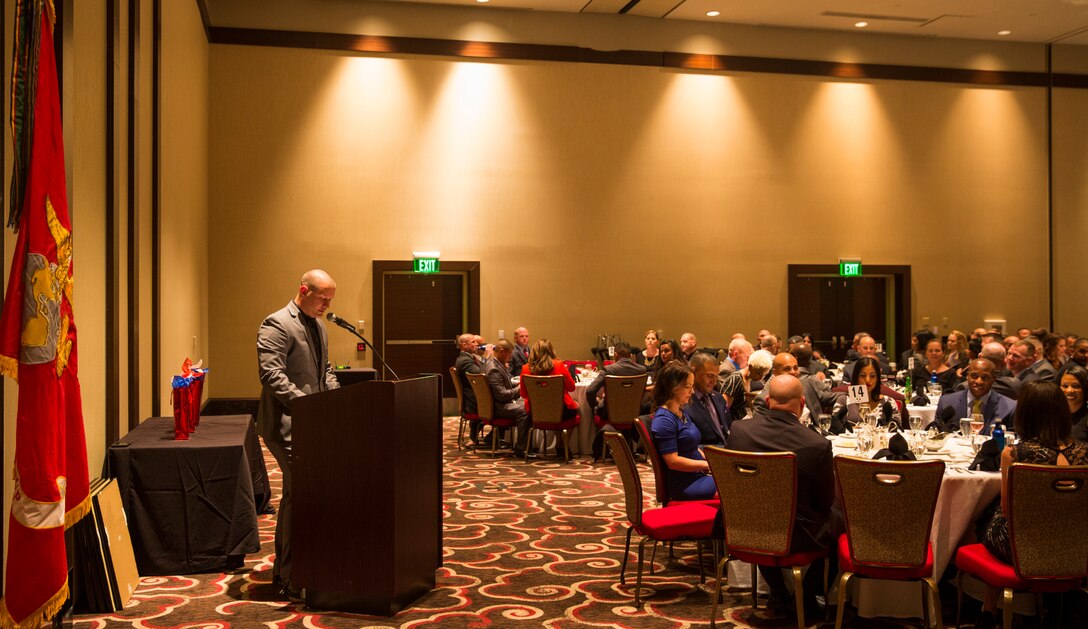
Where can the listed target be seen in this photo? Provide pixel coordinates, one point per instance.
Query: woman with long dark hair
(687, 474)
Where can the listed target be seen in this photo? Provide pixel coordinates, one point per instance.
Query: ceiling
(1036, 21)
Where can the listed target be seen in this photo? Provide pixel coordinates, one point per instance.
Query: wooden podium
(367, 510)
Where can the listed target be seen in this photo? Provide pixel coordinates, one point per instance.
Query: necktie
(713, 416)
(976, 407)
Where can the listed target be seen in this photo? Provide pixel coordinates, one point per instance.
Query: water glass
(918, 443)
(934, 392)
(965, 427)
(865, 442)
(825, 423)
(916, 422)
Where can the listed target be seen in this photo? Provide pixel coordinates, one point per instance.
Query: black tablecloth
(191, 505)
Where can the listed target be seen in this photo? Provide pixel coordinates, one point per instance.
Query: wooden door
(832, 309)
(418, 316)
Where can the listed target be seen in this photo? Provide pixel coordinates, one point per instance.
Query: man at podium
(292, 360)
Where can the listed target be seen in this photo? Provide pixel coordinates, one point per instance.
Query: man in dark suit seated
(521, 351)
(1008, 386)
(707, 408)
(1077, 358)
(507, 396)
(469, 361)
(776, 428)
(625, 365)
(978, 398)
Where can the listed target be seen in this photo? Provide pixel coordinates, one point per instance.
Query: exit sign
(425, 265)
(850, 268)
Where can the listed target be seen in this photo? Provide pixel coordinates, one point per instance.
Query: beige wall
(611, 198)
(1070, 210)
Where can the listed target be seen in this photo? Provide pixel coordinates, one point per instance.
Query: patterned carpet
(535, 544)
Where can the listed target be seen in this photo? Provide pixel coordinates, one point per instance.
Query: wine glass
(918, 443)
(976, 424)
(865, 442)
(934, 392)
(976, 443)
(805, 419)
(965, 427)
(915, 422)
(825, 423)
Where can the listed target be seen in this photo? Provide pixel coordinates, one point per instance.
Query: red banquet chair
(546, 410)
(889, 507)
(485, 406)
(758, 492)
(1048, 505)
(666, 524)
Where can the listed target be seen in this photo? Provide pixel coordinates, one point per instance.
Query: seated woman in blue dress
(687, 474)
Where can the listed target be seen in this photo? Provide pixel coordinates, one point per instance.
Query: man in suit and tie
(1041, 365)
(292, 361)
(978, 398)
(507, 396)
(520, 357)
(707, 408)
(775, 428)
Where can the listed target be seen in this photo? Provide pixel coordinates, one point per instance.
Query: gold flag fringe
(37, 617)
(76, 513)
(9, 367)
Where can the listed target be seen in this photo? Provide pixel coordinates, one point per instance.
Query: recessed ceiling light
(713, 13)
(1004, 32)
(481, 1)
(861, 24)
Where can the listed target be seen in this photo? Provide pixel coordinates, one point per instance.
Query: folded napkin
(988, 458)
(839, 424)
(897, 450)
(919, 400)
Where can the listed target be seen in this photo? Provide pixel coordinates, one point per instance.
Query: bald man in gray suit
(292, 360)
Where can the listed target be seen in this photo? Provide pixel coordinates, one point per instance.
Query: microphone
(338, 320)
(333, 318)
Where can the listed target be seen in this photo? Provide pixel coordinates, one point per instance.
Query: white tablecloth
(928, 413)
(581, 442)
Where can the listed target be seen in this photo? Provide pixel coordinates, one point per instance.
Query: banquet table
(581, 442)
(928, 412)
(191, 505)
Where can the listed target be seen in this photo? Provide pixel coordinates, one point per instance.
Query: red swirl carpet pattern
(535, 544)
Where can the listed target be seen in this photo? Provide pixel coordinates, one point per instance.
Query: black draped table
(191, 505)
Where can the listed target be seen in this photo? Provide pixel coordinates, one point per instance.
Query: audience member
(1018, 361)
(469, 361)
(625, 365)
(1023, 333)
(775, 428)
(739, 351)
(818, 394)
(687, 475)
(543, 362)
(688, 344)
(867, 374)
(1044, 426)
(956, 356)
(1008, 341)
(934, 366)
(520, 355)
(866, 346)
(737, 385)
(1054, 351)
(769, 343)
(1041, 366)
(649, 357)
(1078, 356)
(707, 408)
(978, 398)
(1008, 386)
(1074, 382)
(507, 398)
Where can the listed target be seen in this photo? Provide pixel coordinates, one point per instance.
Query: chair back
(758, 492)
(632, 484)
(623, 398)
(485, 403)
(457, 387)
(643, 428)
(1048, 505)
(889, 508)
(545, 398)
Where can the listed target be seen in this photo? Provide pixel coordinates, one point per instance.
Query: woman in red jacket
(542, 362)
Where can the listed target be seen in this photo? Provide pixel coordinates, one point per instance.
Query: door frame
(471, 269)
(900, 276)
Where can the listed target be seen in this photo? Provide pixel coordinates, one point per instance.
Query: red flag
(38, 348)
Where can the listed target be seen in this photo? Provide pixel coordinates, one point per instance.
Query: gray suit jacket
(287, 362)
(1045, 370)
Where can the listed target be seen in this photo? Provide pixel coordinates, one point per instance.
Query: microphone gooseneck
(333, 318)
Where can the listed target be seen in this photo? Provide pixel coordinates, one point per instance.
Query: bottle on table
(998, 433)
